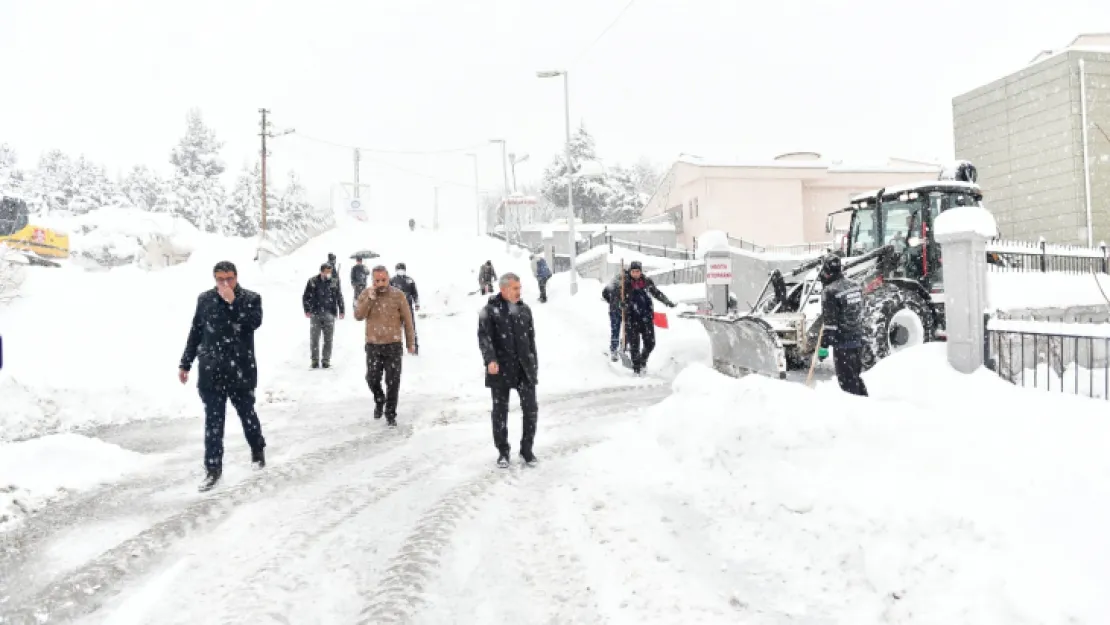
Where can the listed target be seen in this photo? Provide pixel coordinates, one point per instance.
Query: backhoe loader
(40, 245)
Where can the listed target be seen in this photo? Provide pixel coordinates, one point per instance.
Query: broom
(813, 361)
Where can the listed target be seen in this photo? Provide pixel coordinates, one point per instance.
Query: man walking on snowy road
(486, 276)
(387, 315)
(222, 337)
(542, 273)
(640, 313)
(407, 285)
(507, 340)
(359, 277)
(842, 311)
(322, 302)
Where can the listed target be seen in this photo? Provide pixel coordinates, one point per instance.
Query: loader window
(861, 235)
(897, 221)
(13, 216)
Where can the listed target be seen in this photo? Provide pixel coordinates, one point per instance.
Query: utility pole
(265, 127)
(477, 197)
(435, 211)
(505, 196)
(356, 173)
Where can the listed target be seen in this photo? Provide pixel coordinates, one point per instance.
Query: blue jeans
(614, 329)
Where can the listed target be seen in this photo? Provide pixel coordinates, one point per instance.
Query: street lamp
(570, 180)
(477, 195)
(514, 161)
(505, 196)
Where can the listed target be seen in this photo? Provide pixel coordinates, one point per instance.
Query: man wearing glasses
(222, 337)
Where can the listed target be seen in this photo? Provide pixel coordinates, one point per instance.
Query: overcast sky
(853, 79)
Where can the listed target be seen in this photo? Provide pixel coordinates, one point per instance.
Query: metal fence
(800, 249)
(1039, 256)
(691, 274)
(1058, 357)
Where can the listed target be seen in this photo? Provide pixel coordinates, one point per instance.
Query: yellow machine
(40, 245)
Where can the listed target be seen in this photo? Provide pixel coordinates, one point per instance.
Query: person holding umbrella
(359, 276)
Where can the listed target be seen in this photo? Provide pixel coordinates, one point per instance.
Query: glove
(822, 353)
(671, 304)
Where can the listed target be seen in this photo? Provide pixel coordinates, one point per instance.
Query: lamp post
(570, 180)
(477, 196)
(514, 161)
(505, 196)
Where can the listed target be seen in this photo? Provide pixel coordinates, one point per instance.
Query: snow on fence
(1039, 256)
(799, 249)
(690, 274)
(1055, 356)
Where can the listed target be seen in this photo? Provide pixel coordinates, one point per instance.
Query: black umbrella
(365, 254)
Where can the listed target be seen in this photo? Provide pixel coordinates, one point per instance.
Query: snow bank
(1014, 290)
(35, 471)
(715, 240)
(113, 236)
(966, 219)
(971, 505)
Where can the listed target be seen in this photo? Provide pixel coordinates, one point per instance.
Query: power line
(383, 151)
(441, 181)
(593, 43)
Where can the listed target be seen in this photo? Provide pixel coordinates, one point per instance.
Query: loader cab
(13, 215)
(903, 217)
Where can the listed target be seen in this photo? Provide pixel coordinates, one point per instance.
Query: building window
(676, 218)
(697, 209)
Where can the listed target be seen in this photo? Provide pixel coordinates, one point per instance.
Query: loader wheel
(901, 319)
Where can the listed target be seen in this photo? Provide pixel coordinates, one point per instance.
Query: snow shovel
(660, 320)
(626, 358)
(813, 361)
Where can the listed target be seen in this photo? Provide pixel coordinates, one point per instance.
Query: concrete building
(779, 202)
(1026, 134)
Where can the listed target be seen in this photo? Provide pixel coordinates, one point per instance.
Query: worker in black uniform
(842, 310)
(401, 280)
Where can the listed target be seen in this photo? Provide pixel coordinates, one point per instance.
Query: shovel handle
(813, 361)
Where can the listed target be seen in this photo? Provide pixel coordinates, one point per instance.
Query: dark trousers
(384, 360)
(640, 333)
(500, 416)
(848, 367)
(614, 329)
(357, 289)
(487, 287)
(415, 336)
(215, 410)
(543, 289)
(321, 323)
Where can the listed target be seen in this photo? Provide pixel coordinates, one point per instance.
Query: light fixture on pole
(513, 161)
(477, 196)
(505, 195)
(573, 242)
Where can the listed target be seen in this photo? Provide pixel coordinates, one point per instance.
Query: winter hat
(636, 265)
(400, 267)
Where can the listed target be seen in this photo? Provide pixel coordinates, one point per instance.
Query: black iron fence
(1058, 357)
(800, 249)
(692, 274)
(1042, 257)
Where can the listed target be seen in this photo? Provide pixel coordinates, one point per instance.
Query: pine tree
(11, 178)
(197, 193)
(589, 196)
(144, 188)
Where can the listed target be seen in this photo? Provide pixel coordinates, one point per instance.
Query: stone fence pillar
(718, 277)
(963, 234)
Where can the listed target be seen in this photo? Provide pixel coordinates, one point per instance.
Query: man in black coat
(639, 313)
(222, 337)
(486, 276)
(360, 276)
(404, 283)
(507, 340)
(842, 311)
(322, 302)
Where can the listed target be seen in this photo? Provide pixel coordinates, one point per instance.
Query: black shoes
(258, 458)
(529, 458)
(327, 365)
(210, 480)
(391, 420)
(378, 410)
(315, 364)
(503, 461)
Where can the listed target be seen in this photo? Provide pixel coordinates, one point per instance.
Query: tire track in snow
(400, 590)
(84, 589)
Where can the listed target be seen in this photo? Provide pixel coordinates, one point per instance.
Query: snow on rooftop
(913, 186)
(892, 165)
(966, 219)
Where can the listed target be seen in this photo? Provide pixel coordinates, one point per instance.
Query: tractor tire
(899, 318)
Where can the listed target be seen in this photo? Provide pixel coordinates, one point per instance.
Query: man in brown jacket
(387, 314)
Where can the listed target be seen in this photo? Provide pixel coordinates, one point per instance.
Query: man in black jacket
(322, 301)
(360, 276)
(842, 311)
(404, 283)
(639, 313)
(222, 337)
(507, 340)
(486, 276)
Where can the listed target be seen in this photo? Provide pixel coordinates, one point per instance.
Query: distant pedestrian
(507, 340)
(360, 275)
(388, 321)
(222, 336)
(612, 294)
(542, 273)
(842, 311)
(486, 278)
(404, 283)
(322, 301)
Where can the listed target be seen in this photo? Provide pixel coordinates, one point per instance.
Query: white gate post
(963, 234)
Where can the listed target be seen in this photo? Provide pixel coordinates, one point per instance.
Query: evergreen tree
(11, 179)
(144, 188)
(197, 194)
(615, 197)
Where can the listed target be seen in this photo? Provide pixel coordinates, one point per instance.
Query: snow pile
(114, 236)
(974, 219)
(35, 471)
(712, 240)
(972, 505)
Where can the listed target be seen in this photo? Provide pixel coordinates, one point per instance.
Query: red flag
(661, 320)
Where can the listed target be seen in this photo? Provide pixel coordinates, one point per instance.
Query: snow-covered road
(350, 525)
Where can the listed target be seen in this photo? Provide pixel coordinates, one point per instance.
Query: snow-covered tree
(11, 179)
(197, 194)
(612, 198)
(144, 189)
(89, 188)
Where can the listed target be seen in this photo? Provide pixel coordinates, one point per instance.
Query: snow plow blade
(743, 345)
